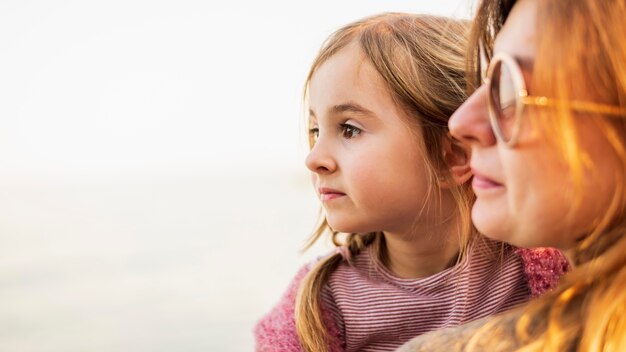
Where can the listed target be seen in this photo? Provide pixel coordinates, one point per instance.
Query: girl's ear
(457, 158)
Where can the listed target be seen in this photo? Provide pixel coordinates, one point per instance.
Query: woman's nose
(470, 122)
(320, 159)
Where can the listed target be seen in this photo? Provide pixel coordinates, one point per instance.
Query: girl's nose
(320, 160)
(470, 122)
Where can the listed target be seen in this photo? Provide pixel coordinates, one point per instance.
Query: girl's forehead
(347, 79)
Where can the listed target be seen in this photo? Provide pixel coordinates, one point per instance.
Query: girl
(548, 136)
(394, 189)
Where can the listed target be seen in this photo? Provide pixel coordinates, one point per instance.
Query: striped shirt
(377, 311)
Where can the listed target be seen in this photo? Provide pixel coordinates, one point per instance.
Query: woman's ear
(457, 157)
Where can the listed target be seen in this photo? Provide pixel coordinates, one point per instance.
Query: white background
(153, 195)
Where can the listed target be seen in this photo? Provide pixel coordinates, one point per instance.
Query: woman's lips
(327, 194)
(480, 182)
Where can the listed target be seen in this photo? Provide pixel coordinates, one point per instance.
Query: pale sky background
(153, 195)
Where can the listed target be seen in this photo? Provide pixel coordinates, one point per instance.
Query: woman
(547, 130)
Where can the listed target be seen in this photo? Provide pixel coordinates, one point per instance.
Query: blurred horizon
(153, 193)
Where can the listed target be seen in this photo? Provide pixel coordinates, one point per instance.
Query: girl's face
(524, 193)
(367, 165)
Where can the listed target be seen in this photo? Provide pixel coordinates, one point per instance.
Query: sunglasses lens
(504, 99)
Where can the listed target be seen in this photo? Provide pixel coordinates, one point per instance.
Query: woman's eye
(349, 131)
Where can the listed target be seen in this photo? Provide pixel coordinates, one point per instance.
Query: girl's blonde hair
(422, 59)
(581, 55)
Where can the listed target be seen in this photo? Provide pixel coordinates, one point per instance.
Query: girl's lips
(329, 194)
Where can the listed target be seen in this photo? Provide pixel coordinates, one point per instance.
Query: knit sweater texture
(367, 308)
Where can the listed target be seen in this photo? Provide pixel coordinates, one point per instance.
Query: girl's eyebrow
(353, 108)
(347, 107)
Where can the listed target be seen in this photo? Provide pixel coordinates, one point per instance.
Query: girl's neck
(425, 252)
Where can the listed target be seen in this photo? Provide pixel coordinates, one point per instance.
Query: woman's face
(525, 193)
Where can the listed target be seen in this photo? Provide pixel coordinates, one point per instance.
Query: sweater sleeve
(543, 268)
(276, 331)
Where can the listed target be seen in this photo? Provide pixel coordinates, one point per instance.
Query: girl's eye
(314, 133)
(349, 131)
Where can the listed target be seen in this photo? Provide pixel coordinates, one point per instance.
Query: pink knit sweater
(541, 269)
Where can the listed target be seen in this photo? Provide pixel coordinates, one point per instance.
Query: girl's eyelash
(348, 131)
(314, 132)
